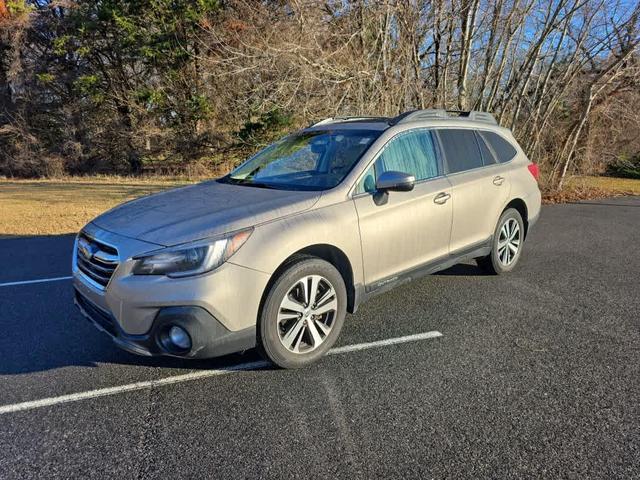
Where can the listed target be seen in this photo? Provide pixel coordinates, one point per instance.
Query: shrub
(625, 167)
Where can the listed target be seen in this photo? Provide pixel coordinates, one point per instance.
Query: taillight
(533, 168)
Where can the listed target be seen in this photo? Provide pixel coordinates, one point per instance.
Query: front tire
(303, 313)
(506, 247)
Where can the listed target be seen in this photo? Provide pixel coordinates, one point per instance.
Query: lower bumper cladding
(209, 338)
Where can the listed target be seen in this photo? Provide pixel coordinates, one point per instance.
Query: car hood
(199, 211)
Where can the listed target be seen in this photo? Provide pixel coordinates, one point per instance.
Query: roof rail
(331, 120)
(441, 114)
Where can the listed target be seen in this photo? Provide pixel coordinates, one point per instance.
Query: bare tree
(549, 70)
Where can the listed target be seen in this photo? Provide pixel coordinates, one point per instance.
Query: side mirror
(395, 182)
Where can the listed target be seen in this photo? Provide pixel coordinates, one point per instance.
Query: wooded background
(168, 86)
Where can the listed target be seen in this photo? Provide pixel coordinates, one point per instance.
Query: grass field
(581, 188)
(48, 207)
(619, 185)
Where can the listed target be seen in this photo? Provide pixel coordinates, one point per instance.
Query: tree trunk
(467, 21)
(576, 135)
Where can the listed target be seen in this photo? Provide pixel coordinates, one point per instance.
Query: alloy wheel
(509, 241)
(307, 313)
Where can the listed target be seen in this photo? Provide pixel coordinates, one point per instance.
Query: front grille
(96, 314)
(95, 259)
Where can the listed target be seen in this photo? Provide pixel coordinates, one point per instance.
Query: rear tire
(506, 246)
(303, 313)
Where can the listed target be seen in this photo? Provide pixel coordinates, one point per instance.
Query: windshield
(315, 160)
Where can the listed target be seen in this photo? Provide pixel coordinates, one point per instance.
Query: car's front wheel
(303, 313)
(507, 244)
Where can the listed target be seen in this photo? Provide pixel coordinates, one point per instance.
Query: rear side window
(502, 148)
(461, 149)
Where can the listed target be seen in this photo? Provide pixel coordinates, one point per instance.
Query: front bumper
(209, 337)
(218, 309)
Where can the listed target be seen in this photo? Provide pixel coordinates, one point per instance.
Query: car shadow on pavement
(42, 330)
(71, 341)
(47, 333)
(463, 270)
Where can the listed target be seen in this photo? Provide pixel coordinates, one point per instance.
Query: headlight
(194, 259)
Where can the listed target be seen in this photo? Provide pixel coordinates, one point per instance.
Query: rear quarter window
(501, 147)
(487, 155)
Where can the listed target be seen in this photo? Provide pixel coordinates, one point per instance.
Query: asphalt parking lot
(536, 375)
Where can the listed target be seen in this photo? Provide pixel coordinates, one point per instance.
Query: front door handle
(441, 198)
(498, 180)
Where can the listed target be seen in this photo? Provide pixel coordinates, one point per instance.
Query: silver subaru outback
(275, 254)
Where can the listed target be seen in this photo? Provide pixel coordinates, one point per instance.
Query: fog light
(180, 338)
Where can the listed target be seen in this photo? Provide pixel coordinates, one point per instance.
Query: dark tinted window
(487, 156)
(461, 150)
(502, 148)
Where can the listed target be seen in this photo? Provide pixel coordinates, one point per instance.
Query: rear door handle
(498, 180)
(441, 198)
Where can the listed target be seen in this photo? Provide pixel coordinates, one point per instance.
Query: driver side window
(409, 152)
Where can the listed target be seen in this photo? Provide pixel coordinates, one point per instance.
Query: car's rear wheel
(303, 313)
(507, 244)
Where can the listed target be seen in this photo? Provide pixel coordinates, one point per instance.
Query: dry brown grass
(49, 207)
(587, 188)
(627, 186)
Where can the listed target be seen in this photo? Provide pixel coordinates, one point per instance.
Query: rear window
(461, 149)
(501, 147)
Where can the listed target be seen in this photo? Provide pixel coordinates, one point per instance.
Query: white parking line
(28, 282)
(103, 392)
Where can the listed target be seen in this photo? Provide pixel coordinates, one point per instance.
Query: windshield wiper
(247, 182)
(259, 185)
